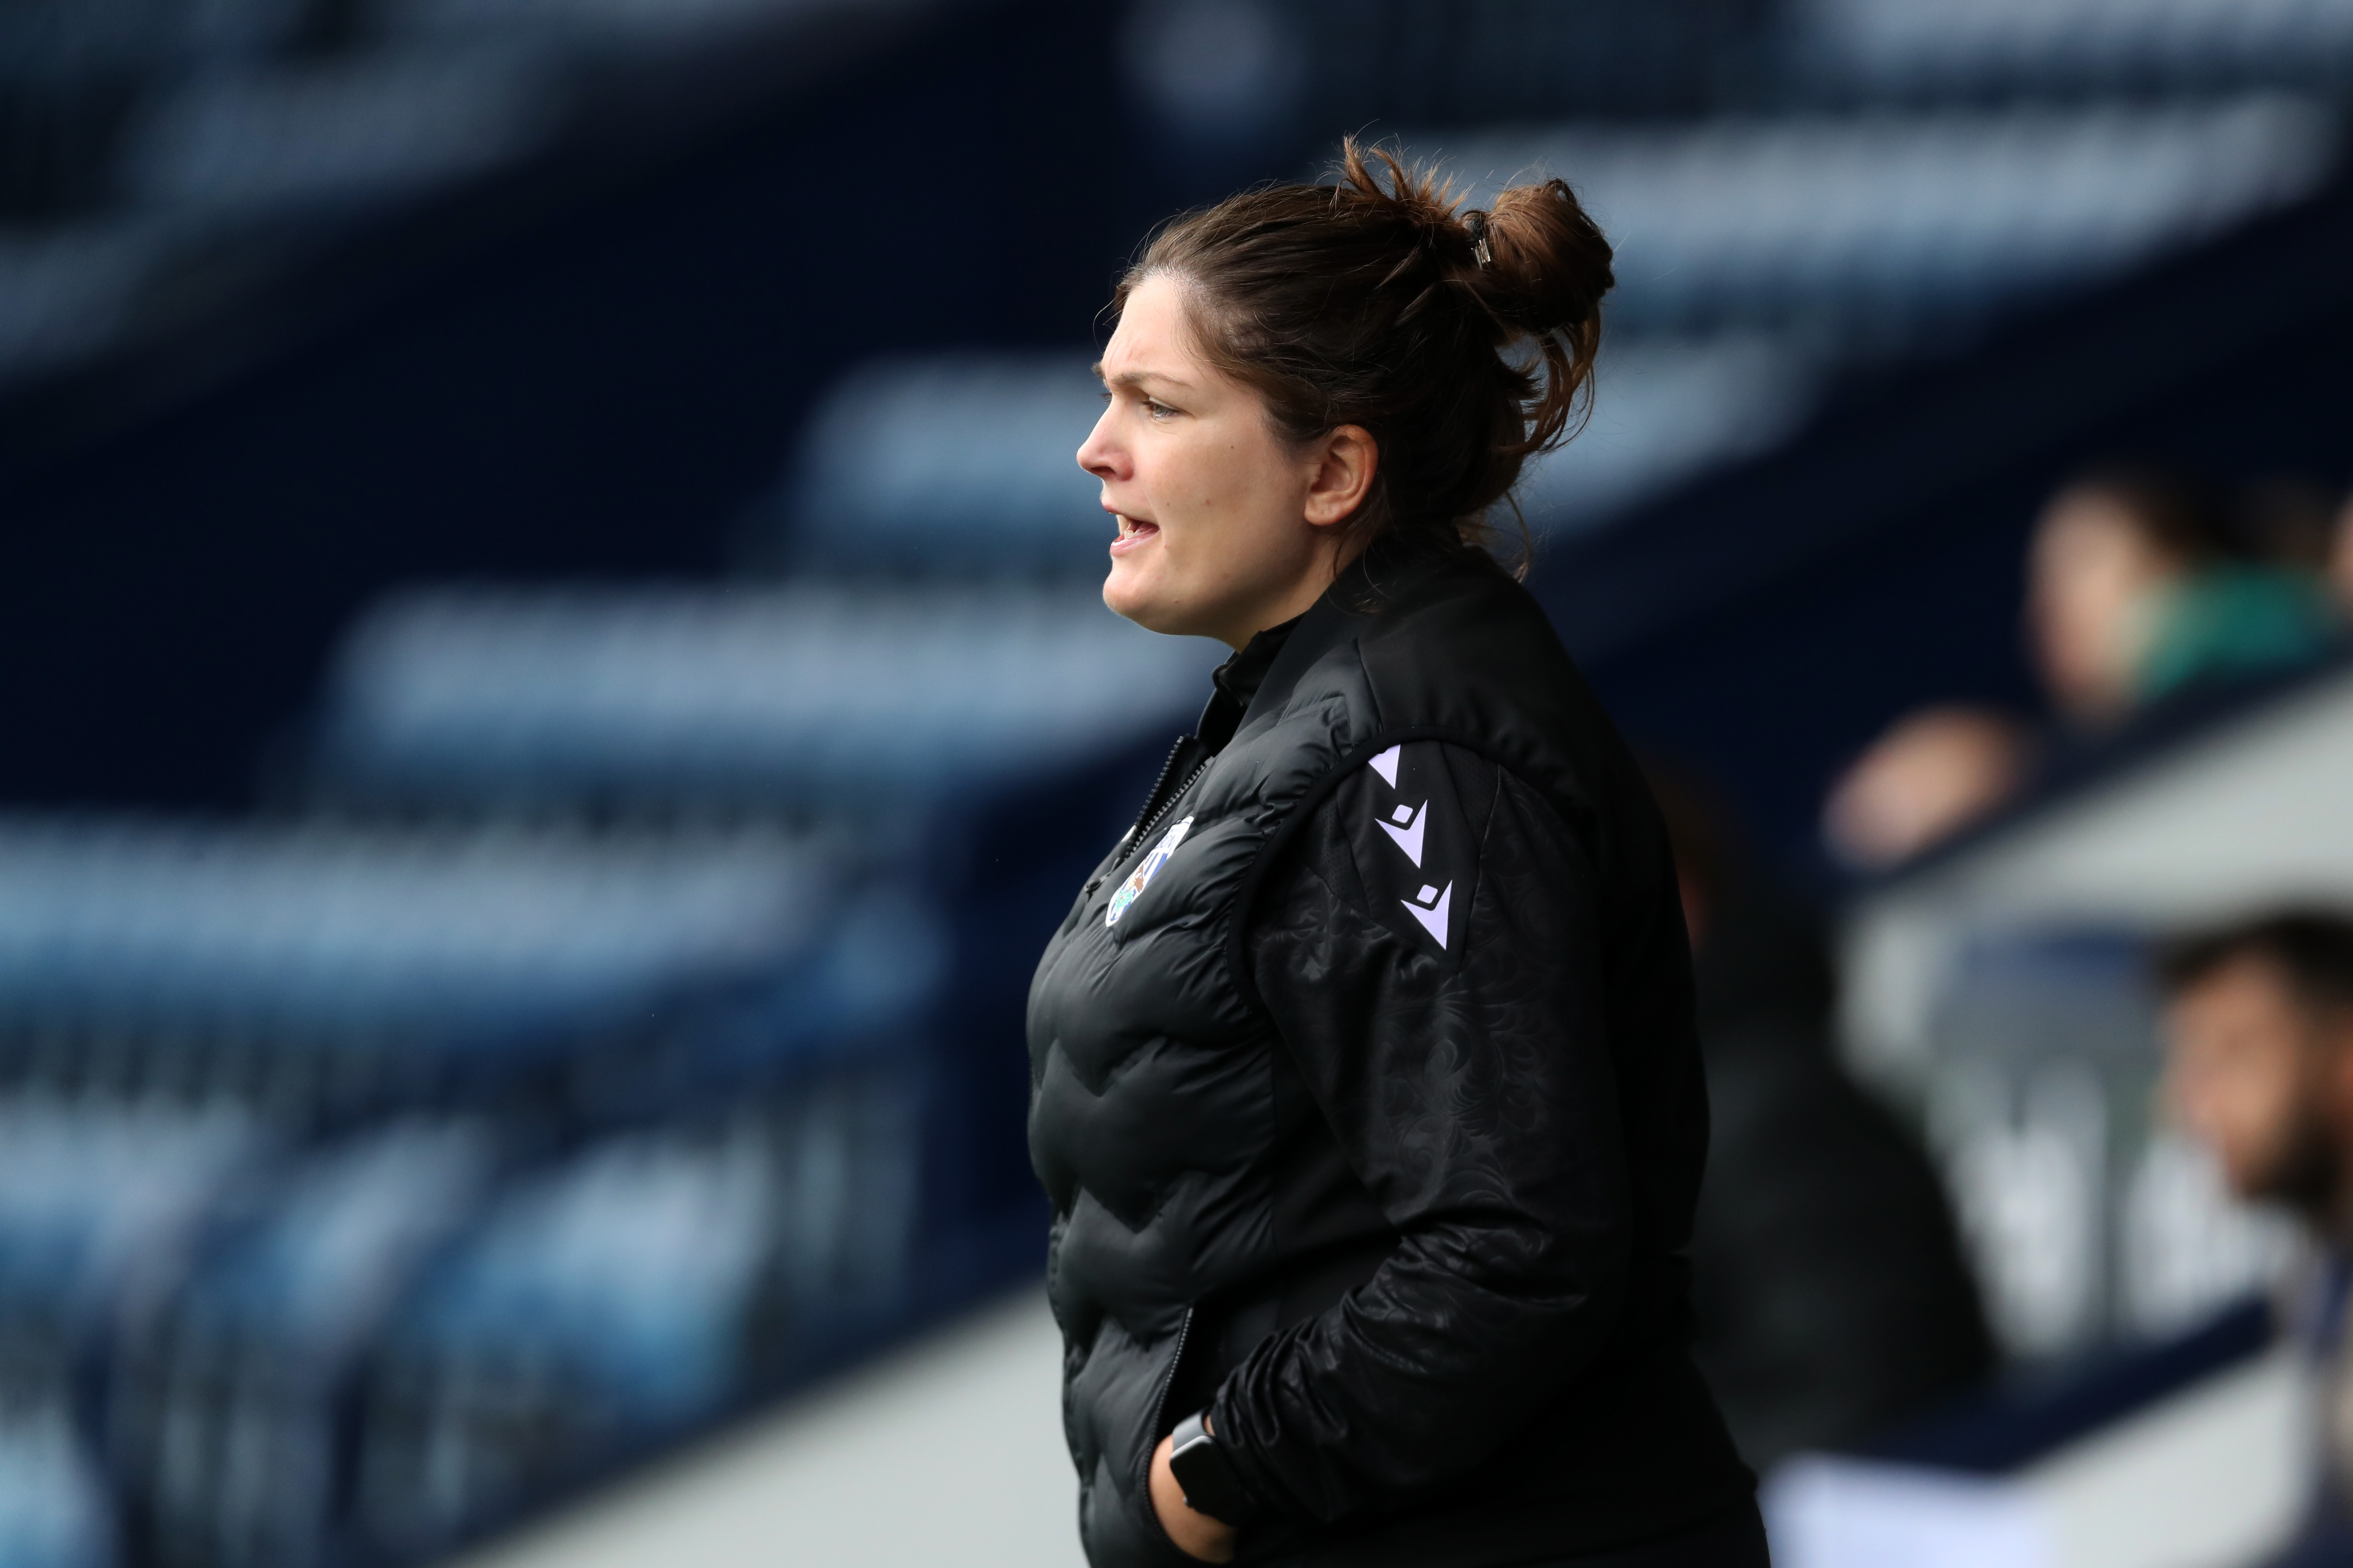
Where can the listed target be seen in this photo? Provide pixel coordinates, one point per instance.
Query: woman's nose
(1099, 455)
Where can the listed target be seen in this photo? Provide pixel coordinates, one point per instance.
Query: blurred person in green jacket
(2256, 599)
(2138, 590)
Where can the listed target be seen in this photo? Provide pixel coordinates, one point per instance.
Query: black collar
(1238, 680)
(1366, 588)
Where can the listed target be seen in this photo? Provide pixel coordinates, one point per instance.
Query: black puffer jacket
(1366, 1093)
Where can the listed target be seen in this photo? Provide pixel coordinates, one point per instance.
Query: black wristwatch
(1208, 1476)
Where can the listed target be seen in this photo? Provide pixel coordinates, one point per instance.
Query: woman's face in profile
(1212, 506)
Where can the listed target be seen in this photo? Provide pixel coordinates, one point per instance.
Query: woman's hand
(1195, 1534)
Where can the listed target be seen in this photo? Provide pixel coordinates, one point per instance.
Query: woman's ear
(1346, 459)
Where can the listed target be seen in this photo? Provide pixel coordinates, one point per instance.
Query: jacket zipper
(1168, 1378)
(1160, 1410)
(1145, 830)
(1152, 800)
(1156, 805)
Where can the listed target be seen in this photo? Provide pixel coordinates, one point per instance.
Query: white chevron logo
(1405, 826)
(1429, 907)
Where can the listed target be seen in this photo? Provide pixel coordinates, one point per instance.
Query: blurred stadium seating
(2004, 48)
(171, 144)
(1758, 256)
(2002, 984)
(897, 696)
(260, 1081)
(615, 1024)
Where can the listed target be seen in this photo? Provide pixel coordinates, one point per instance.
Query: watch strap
(1207, 1475)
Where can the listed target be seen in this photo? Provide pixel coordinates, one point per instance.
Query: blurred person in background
(1366, 1083)
(1932, 773)
(2237, 615)
(2259, 1069)
(2142, 588)
(1831, 1297)
(2137, 590)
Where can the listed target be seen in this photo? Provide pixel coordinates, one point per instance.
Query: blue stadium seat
(1665, 408)
(1930, 46)
(335, 135)
(54, 1512)
(865, 701)
(1874, 225)
(93, 1192)
(227, 1420)
(646, 1282)
(956, 466)
(184, 1007)
(344, 931)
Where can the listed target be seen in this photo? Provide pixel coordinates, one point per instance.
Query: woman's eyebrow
(1135, 380)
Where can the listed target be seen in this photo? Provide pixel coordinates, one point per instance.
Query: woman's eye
(1157, 410)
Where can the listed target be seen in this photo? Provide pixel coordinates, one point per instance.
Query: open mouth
(1133, 533)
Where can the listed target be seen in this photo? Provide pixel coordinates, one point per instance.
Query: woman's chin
(1129, 592)
(1124, 588)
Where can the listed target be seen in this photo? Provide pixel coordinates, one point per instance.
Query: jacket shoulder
(1468, 651)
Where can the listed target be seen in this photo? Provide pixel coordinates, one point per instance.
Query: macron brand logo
(1404, 826)
(1430, 906)
(1141, 877)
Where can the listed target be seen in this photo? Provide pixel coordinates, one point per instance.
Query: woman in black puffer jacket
(1364, 1081)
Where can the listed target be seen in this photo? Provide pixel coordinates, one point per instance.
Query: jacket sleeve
(1428, 951)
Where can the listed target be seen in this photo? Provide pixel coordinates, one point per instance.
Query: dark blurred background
(552, 688)
(305, 301)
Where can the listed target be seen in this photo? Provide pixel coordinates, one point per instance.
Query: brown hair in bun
(1366, 302)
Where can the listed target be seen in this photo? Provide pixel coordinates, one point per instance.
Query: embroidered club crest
(1141, 877)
